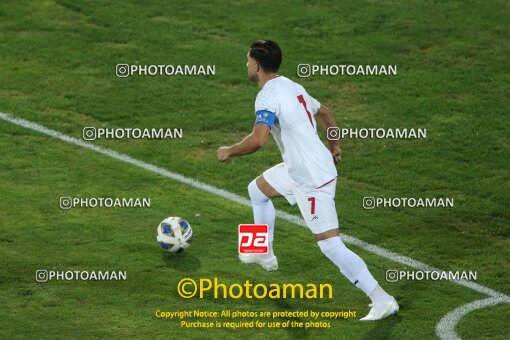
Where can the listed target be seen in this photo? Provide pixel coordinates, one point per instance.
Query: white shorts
(317, 205)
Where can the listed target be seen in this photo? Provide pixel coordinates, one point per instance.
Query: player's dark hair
(267, 53)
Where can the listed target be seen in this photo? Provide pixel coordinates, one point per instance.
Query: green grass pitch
(57, 69)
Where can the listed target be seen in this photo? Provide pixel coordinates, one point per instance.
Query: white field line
(497, 296)
(445, 329)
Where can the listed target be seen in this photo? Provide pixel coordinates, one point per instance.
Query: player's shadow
(383, 329)
(182, 262)
(297, 333)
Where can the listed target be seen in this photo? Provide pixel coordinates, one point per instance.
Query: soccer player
(307, 175)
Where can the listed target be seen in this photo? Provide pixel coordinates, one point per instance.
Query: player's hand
(223, 153)
(336, 152)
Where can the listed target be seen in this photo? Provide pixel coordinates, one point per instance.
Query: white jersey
(308, 161)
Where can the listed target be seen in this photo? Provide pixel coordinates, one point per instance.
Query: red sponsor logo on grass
(253, 239)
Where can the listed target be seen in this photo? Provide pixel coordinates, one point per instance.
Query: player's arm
(251, 143)
(327, 120)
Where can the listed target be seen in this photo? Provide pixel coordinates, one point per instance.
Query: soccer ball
(174, 234)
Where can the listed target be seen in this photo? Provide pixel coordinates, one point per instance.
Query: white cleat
(381, 310)
(270, 264)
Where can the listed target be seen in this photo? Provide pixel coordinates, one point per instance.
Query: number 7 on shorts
(312, 205)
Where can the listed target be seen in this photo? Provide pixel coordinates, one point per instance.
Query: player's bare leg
(356, 271)
(261, 193)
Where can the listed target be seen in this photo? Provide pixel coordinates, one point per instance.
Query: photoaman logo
(202, 288)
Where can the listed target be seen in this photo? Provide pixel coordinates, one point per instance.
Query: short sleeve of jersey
(267, 100)
(315, 105)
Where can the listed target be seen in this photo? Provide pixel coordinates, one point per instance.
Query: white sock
(270, 252)
(379, 295)
(263, 211)
(350, 264)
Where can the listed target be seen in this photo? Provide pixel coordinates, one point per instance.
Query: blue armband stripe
(265, 117)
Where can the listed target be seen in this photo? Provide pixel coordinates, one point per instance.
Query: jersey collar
(272, 78)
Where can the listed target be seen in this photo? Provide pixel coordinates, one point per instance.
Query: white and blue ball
(174, 234)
